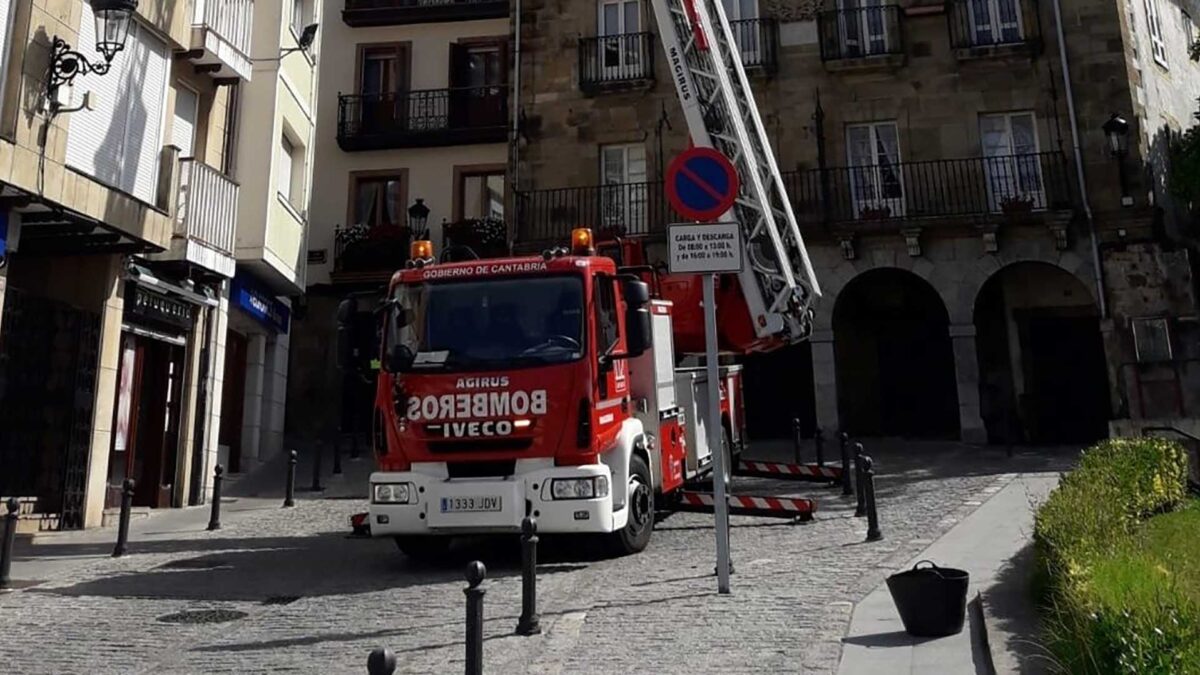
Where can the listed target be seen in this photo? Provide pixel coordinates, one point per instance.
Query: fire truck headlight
(391, 493)
(579, 488)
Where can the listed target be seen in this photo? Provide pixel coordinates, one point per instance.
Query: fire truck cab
(536, 386)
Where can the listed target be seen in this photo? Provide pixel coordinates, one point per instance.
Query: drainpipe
(1083, 193)
(516, 103)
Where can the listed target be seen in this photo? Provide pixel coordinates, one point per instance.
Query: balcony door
(742, 15)
(621, 56)
(876, 183)
(478, 77)
(1012, 167)
(994, 22)
(862, 28)
(383, 76)
(623, 180)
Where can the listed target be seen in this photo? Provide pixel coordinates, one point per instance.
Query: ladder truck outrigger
(548, 386)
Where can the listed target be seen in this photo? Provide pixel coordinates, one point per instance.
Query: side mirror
(637, 317)
(345, 334)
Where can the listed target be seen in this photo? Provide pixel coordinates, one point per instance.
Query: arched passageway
(1042, 374)
(895, 365)
(779, 388)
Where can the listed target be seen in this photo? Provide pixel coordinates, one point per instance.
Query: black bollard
(476, 573)
(873, 533)
(528, 624)
(289, 497)
(381, 662)
(214, 521)
(796, 439)
(316, 481)
(10, 537)
(123, 524)
(819, 444)
(354, 446)
(844, 446)
(337, 456)
(860, 509)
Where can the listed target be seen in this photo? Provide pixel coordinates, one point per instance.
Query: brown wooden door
(233, 396)
(478, 75)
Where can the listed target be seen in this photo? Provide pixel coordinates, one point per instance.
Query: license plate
(469, 504)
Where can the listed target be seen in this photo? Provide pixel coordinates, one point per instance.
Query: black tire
(424, 548)
(634, 537)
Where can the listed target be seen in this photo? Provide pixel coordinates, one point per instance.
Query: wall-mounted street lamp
(418, 215)
(1116, 129)
(112, 30)
(307, 37)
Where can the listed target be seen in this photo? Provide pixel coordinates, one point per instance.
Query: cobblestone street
(307, 598)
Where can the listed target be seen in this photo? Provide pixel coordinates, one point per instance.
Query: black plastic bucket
(932, 601)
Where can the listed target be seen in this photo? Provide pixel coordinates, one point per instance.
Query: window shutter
(96, 137)
(459, 72)
(146, 100)
(6, 20)
(183, 126)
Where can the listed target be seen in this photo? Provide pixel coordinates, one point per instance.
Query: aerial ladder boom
(777, 279)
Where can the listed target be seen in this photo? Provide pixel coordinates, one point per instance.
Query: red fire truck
(548, 386)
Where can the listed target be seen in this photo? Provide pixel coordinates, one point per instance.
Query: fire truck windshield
(487, 323)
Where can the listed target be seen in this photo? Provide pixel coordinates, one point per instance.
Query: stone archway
(894, 358)
(1042, 370)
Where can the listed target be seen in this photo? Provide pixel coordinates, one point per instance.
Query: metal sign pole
(715, 435)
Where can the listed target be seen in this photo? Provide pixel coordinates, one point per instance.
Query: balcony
(399, 12)
(862, 37)
(985, 28)
(205, 218)
(369, 253)
(614, 62)
(433, 117)
(758, 43)
(221, 31)
(1016, 189)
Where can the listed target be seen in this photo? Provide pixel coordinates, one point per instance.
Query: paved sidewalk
(994, 545)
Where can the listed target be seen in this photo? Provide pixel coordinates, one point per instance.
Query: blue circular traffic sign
(701, 184)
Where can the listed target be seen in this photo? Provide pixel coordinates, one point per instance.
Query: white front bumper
(527, 492)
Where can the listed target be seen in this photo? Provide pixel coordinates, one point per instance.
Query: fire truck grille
(482, 445)
(492, 469)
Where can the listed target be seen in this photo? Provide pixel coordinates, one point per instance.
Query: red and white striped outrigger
(804, 472)
(748, 505)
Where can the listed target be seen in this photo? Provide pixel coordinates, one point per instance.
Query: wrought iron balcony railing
(758, 42)
(616, 60)
(860, 33)
(369, 250)
(399, 12)
(982, 24)
(423, 118)
(1008, 186)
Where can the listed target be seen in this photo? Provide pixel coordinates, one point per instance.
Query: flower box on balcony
(875, 213)
(363, 248)
(487, 237)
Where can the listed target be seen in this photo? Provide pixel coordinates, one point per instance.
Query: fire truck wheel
(424, 549)
(636, 534)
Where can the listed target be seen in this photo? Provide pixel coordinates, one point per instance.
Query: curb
(979, 627)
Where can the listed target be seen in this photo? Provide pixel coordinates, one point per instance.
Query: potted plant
(487, 237)
(373, 247)
(875, 212)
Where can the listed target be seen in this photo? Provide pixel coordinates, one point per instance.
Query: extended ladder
(706, 66)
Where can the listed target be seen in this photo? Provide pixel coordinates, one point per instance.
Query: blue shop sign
(258, 303)
(3, 233)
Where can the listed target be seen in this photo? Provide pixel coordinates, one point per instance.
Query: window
(873, 152)
(606, 314)
(862, 27)
(298, 17)
(1189, 30)
(1157, 47)
(382, 75)
(7, 10)
(995, 22)
(1012, 165)
(118, 142)
(623, 180)
(620, 47)
(1151, 339)
(378, 200)
(183, 127)
(482, 195)
(291, 172)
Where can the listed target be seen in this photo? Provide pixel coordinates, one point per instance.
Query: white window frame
(180, 86)
(631, 59)
(994, 23)
(1158, 47)
(747, 37)
(1006, 170)
(624, 202)
(855, 35)
(285, 182)
(872, 175)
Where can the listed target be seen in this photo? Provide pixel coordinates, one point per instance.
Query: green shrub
(1114, 603)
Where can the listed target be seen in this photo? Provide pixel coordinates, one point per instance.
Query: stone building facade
(992, 267)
